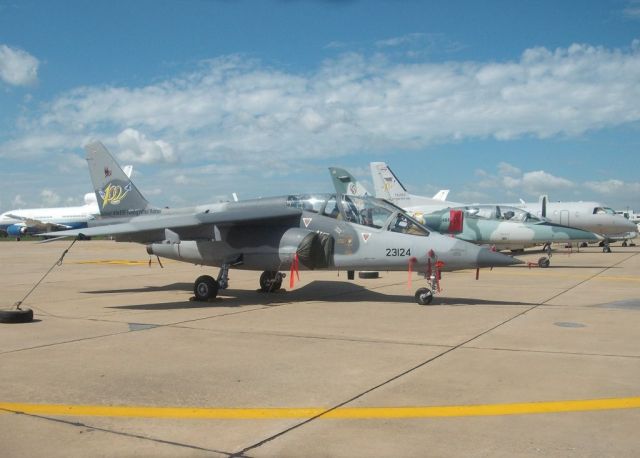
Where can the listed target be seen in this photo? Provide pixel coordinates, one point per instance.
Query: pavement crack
(78, 424)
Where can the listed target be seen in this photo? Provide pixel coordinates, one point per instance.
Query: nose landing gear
(424, 296)
(271, 281)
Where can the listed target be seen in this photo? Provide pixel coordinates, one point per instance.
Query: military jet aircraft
(305, 231)
(506, 228)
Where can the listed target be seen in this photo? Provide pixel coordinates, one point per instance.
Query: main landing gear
(206, 287)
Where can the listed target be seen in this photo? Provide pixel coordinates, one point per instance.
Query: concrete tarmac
(118, 362)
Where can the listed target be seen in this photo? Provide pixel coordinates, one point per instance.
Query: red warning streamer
(439, 266)
(295, 268)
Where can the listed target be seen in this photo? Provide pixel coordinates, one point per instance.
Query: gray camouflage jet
(506, 228)
(295, 232)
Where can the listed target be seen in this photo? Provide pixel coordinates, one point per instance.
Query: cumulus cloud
(632, 10)
(136, 147)
(238, 109)
(49, 197)
(614, 187)
(18, 201)
(512, 181)
(507, 169)
(17, 67)
(541, 182)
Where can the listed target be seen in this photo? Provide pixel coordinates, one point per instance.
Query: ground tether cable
(58, 262)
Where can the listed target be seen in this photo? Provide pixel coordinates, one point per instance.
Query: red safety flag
(295, 268)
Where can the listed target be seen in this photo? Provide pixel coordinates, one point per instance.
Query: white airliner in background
(28, 221)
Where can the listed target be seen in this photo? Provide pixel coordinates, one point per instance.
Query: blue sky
(495, 100)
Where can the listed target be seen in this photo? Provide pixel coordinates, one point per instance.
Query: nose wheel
(424, 296)
(271, 281)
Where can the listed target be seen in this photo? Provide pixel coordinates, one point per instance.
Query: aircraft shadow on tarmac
(552, 267)
(324, 291)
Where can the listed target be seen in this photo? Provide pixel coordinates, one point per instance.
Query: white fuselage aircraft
(16, 223)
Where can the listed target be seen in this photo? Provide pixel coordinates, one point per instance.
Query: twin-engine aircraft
(506, 228)
(295, 232)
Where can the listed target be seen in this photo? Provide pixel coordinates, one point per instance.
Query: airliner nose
(488, 258)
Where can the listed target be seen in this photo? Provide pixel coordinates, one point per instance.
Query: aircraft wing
(39, 224)
(187, 225)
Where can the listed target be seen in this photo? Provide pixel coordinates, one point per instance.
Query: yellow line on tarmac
(352, 413)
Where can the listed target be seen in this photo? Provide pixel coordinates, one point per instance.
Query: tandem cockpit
(366, 211)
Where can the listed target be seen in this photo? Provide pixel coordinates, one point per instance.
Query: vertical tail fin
(387, 185)
(346, 184)
(115, 192)
(441, 195)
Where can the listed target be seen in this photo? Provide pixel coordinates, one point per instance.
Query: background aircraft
(307, 231)
(503, 227)
(31, 221)
(588, 216)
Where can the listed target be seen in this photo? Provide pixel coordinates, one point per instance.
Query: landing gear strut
(271, 281)
(606, 248)
(223, 276)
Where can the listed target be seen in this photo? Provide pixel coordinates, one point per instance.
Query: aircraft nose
(488, 258)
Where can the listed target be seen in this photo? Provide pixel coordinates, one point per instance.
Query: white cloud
(235, 110)
(17, 67)
(508, 170)
(632, 10)
(541, 182)
(614, 187)
(136, 147)
(49, 197)
(18, 202)
(401, 40)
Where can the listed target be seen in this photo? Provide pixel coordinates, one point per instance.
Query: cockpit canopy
(500, 213)
(603, 211)
(366, 211)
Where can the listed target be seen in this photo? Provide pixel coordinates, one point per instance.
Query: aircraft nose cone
(488, 258)
(578, 234)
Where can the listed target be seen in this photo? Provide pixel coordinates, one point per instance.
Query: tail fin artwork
(346, 184)
(386, 184)
(115, 192)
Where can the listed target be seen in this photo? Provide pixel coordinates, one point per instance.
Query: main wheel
(624, 243)
(424, 296)
(544, 262)
(205, 288)
(16, 316)
(270, 281)
(369, 274)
